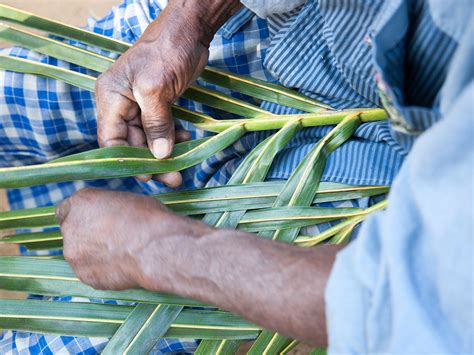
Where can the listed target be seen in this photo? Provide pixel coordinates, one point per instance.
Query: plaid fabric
(42, 119)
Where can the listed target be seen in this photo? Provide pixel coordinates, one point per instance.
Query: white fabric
(265, 8)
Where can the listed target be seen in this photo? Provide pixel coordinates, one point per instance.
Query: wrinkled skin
(134, 96)
(108, 234)
(116, 240)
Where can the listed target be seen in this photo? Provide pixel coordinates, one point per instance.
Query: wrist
(170, 259)
(205, 17)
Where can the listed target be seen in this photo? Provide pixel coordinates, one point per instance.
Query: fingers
(182, 136)
(173, 179)
(135, 136)
(157, 122)
(114, 112)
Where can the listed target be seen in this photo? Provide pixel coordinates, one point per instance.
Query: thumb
(62, 211)
(158, 125)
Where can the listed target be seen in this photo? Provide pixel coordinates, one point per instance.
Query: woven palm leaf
(276, 210)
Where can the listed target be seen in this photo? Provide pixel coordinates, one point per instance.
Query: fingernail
(161, 148)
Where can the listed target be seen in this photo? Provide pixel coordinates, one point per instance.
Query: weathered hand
(117, 240)
(108, 237)
(134, 96)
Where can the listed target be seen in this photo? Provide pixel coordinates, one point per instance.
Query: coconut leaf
(250, 196)
(290, 347)
(247, 85)
(36, 241)
(334, 230)
(225, 346)
(54, 48)
(262, 90)
(31, 67)
(24, 18)
(55, 278)
(103, 320)
(343, 235)
(22, 176)
(300, 190)
(141, 330)
(30, 218)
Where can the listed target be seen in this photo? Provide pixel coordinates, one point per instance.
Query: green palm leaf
(251, 196)
(330, 232)
(115, 166)
(103, 320)
(274, 209)
(300, 190)
(145, 325)
(24, 18)
(36, 241)
(55, 278)
(250, 86)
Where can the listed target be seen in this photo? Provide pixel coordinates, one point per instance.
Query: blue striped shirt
(337, 52)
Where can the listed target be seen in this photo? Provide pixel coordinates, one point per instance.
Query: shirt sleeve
(265, 8)
(406, 284)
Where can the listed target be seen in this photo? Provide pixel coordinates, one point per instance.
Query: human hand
(118, 240)
(134, 96)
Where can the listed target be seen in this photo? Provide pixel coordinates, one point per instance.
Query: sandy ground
(73, 12)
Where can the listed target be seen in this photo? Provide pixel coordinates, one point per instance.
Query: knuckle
(112, 81)
(152, 85)
(148, 88)
(156, 127)
(102, 83)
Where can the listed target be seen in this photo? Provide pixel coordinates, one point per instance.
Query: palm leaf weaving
(275, 210)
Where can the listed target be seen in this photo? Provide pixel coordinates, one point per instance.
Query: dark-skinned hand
(109, 236)
(134, 96)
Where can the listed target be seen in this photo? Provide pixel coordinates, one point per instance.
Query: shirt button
(368, 40)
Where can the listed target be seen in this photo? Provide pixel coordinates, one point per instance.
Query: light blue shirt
(405, 285)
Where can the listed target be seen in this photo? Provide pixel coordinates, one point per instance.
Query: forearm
(278, 286)
(196, 19)
(275, 285)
